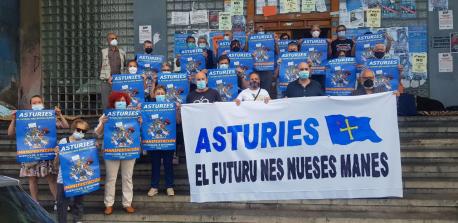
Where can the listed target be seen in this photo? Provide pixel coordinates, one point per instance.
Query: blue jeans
(167, 157)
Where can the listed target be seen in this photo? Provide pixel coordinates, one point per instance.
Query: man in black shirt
(341, 43)
(304, 86)
(202, 94)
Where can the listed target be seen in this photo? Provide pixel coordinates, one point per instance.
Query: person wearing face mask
(236, 46)
(293, 46)
(43, 168)
(254, 92)
(202, 93)
(117, 100)
(341, 44)
(79, 129)
(113, 61)
(366, 85)
(304, 86)
(191, 44)
(208, 53)
(165, 155)
(223, 62)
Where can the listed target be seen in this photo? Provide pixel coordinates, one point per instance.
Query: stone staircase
(429, 149)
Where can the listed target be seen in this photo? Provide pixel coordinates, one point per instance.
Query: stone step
(267, 216)
(416, 202)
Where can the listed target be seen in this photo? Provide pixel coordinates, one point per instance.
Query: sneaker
(170, 192)
(55, 206)
(152, 192)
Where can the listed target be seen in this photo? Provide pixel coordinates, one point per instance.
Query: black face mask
(235, 49)
(148, 50)
(368, 84)
(379, 55)
(254, 84)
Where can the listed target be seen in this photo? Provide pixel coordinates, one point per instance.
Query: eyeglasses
(81, 130)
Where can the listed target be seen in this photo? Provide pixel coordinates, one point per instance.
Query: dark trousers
(266, 81)
(76, 204)
(167, 157)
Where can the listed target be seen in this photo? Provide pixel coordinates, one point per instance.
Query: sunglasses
(81, 130)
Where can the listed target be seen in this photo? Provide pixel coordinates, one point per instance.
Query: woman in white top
(254, 92)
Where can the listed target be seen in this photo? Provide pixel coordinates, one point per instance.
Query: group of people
(257, 87)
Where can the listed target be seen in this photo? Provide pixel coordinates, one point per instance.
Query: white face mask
(224, 66)
(78, 135)
(227, 38)
(133, 70)
(36, 107)
(114, 42)
(316, 34)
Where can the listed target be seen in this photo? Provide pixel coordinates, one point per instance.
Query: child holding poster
(41, 168)
(161, 128)
(79, 128)
(119, 101)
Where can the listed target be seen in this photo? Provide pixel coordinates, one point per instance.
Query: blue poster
(211, 35)
(241, 37)
(242, 60)
(79, 163)
(224, 46)
(390, 9)
(262, 46)
(418, 42)
(353, 4)
(224, 81)
(176, 84)
(317, 50)
(180, 42)
(408, 9)
(121, 135)
(283, 45)
(147, 62)
(288, 69)
(356, 32)
(365, 44)
(386, 73)
(192, 61)
(340, 76)
(131, 84)
(35, 135)
(159, 126)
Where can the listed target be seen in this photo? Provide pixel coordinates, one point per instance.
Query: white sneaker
(152, 192)
(55, 206)
(170, 192)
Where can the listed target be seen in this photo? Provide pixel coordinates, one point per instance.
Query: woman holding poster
(79, 128)
(166, 155)
(118, 101)
(41, 168)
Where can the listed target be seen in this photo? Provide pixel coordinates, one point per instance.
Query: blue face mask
(191, 45)
(224, 66)
(120, 105)
(36, 107)
(303, 74)
(160, 98)
(78, 135)
(201, 85)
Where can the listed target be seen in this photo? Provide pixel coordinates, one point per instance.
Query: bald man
(366, 84)
(202, 93)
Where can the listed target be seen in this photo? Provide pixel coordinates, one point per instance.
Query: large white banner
(296, 148)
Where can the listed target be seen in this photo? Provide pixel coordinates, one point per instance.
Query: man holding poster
(32, 166)
(121, 146)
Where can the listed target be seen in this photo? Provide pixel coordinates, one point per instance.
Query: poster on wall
(437, 5)
(454, 42)
(445, 19)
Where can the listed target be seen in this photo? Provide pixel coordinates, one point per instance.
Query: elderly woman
(42, 168)
(117, 100)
